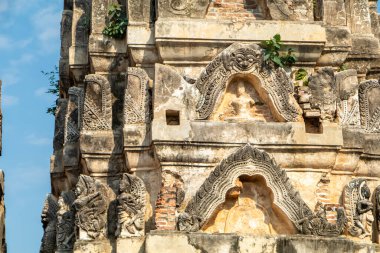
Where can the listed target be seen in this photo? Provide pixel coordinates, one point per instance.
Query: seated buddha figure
(243, 103)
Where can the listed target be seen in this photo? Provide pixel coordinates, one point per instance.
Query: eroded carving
(348, 98)
(317, 224)
(247, 161)
(131, 207)
(323, 93)
(369, 92)
(291, 10)
(60, 113)
(359, 208)
(74, 115)
(49, 222)
(241, 102)
(90, 206)
(137, 101)
(97, 113)
(376, 198)
(191, 8)
(247, 60)
(66, 221)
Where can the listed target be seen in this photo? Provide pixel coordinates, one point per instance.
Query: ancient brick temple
(181, 136)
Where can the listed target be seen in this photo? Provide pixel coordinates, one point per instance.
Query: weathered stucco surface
(181, 137)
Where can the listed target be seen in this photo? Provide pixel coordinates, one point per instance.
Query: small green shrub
(52, 76)
(272, 52)
(116, 22)
(302, 75)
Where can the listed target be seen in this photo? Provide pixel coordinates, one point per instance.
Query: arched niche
(97, 111)
(244, 99)
(246, 161)
(249, 209)
(247, 60)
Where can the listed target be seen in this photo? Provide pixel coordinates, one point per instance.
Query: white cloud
(47, 24)
(25, 58)
(9, 100)
(5, 42)
(38, 141)
(4, 6)
(10, 76)
(40, 92)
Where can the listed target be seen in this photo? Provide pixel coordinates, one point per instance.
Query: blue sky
(29, 43)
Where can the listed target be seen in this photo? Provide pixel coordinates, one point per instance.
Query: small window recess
(172, 118)
(313, 125)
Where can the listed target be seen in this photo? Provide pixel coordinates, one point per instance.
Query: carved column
(66, 40)
(79, 41)
(73, 121)
(58, 178)
(374, 72)
(365, 47)
(338, 36)
(100, 145)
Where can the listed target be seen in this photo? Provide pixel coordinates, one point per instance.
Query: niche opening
(172, 118)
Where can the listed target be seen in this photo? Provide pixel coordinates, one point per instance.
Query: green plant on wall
(272, 49)
(116, 22)
(53, 89)
(302, 75)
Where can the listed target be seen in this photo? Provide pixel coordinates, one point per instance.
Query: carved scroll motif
(137, 98)
(246, 59)
(358, 208)
(97, 113)
(66, 221)
(131, 207)
(370, 105)
(247, 161)
(348, 98)
(74, 115)
(49, 222)
(90, 206)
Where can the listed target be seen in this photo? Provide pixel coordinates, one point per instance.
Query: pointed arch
(247, 59)
(246, 161)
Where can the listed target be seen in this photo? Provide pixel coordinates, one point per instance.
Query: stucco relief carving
(291, 10)
(241, 102)
(49, 222)
(74, 115)
(246, 60)
(131, 207)
(317, 224)
(246, 161)
(137, 101)
(376, 200)
(90, 206)
(348, 98)
(369, 97)
(60, 112)
(359, 208)
(66, 221)
(191, 8)
(97, 111)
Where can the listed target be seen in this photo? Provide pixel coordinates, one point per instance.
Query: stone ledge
(201, 40)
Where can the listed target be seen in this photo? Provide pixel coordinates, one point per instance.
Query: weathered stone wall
(181, 124)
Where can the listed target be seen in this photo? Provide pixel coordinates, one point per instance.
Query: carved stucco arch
(247, 161)
(370, 122)
(247, 59)
(97, 116)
